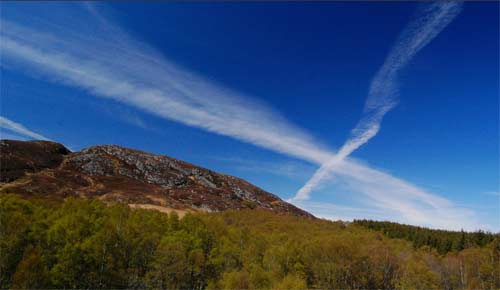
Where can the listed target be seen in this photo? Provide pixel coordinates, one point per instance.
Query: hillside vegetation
(82, 243)
(113, 173)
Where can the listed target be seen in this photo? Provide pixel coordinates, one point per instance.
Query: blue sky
(270, 92)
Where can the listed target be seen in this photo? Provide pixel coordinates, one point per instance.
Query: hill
(116, 174)
(77, 220)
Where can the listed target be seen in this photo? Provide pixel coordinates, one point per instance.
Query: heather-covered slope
(19, 157)
(140, 179)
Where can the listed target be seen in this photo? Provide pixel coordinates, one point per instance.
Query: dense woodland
(87, 244)
(442, 241)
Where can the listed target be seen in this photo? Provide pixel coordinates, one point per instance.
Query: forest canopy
(441, 240)
(87, 244)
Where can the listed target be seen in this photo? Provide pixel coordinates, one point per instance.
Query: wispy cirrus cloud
(18, 129)
(332, 211)
(108, 63)
(383, 93)
(132, 73)
(492, 193)
(402, 201)
(291, 169)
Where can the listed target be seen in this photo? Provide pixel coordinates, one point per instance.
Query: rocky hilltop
(116, 174)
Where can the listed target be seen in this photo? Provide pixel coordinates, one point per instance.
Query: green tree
(416, 275)
(31, 272)
(291, 282)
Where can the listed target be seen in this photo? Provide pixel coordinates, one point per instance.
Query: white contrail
(19, 129)
(109, 64)
(383, 91)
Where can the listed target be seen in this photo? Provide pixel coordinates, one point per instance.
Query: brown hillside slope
(141, 179)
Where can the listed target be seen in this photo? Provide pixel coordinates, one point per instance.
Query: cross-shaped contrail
(384, 91)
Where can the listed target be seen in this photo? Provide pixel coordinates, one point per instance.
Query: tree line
(86, 244)
(441, 240)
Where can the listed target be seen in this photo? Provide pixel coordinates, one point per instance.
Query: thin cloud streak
(290, 169)
(492, 193)
(333, 211)
(133, 74)
(384, 91)
(403, 201)
(114, 66)
(19, 129)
